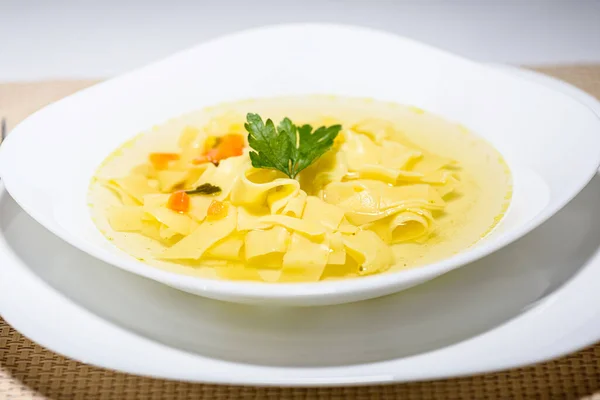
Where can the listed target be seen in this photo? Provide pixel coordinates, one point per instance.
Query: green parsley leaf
(289, 148)
(205, 188)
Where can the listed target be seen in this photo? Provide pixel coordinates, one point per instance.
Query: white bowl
(551, 141)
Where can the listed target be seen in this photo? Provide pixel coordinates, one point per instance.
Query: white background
(62, 39)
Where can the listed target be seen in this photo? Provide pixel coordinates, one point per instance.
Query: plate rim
(27, 325)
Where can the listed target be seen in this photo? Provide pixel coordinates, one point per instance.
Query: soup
(300, 189)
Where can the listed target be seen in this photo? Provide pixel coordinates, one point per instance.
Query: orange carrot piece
(179, 202)
(229, 145)
(232, 145)
(161, 160)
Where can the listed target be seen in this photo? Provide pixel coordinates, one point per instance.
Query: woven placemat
(28, 371)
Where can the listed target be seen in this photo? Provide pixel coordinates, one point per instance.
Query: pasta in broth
(379, 187)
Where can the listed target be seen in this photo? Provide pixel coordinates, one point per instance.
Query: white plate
(535, 299)
(550, 140)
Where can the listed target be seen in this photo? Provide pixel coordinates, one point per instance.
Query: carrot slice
(161, 160)
(230, 145)
(179, 202)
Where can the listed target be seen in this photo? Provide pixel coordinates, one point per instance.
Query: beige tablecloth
(28, 371)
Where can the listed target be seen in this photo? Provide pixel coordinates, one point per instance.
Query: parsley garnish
(205, 188)
(289, 148)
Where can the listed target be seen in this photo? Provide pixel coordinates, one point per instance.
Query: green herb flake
(205, 188)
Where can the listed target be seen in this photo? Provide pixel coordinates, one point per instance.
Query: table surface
(42, 39)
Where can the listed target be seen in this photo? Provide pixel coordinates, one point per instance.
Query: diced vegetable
(217, 209)
(223, 147)
(179, 202)
(161, 160)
